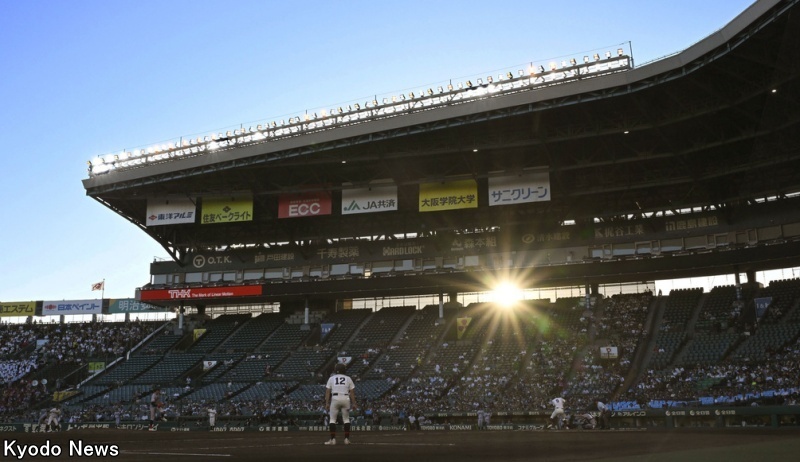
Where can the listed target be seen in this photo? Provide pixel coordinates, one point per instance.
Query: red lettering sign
(199, 293)
(304, 205)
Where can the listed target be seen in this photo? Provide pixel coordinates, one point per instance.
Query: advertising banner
(17, 309)
(199, 293)
(450, 195)
(519, 189)
(304, 204)
(227, 209)
(96, 366)
(131, 305)
(461, 326)
(325, 329)
(609, 352)
(170, 211)
(762, 303)
(55, 308)
(375, 198)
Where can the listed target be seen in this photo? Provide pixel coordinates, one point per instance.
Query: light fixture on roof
(510, 76)
(620, 52)
(480, 81)
(552, 65)
(573, 62)
(440, 89)
(608, 55)
(449, 87)
(596, 57)
(489, 79)
(586, 59)
(469, 83)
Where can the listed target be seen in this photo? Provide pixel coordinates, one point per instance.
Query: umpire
(340, 395)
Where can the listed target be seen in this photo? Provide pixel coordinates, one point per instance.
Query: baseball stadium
(470, 252)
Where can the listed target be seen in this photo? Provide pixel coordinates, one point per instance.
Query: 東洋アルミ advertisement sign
(55, 308)
(199, 293)
(173, 211)
(18, 309)
(307, 204)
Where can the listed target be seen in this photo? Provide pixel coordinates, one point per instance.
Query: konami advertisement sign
(199, 293)
(307, 204)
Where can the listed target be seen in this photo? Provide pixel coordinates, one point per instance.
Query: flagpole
(103, 290)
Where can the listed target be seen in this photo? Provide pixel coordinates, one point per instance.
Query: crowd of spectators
(554, 352)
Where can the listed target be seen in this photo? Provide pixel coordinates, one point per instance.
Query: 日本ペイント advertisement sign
(55, 308)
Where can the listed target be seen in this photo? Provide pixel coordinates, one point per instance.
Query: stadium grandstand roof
(712, 127)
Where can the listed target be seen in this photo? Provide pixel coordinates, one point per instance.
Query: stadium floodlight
(411, 95)
(608, 55)
(540, 70)
(449, 87)
(620, 52)
(469, 83)
(586, 59)
(563, 64)
(521, 72)
(552, 65)
(489, 79)
(430, 91)
(596, 57)
(573, 62)
(440, 89)
(480, 81)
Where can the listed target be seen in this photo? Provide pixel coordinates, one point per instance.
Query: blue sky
(83, 78)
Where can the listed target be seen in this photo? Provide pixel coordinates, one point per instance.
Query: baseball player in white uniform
(339, 396)
(557, 417)
(155, 407)
(212, 417)
(52, 419)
